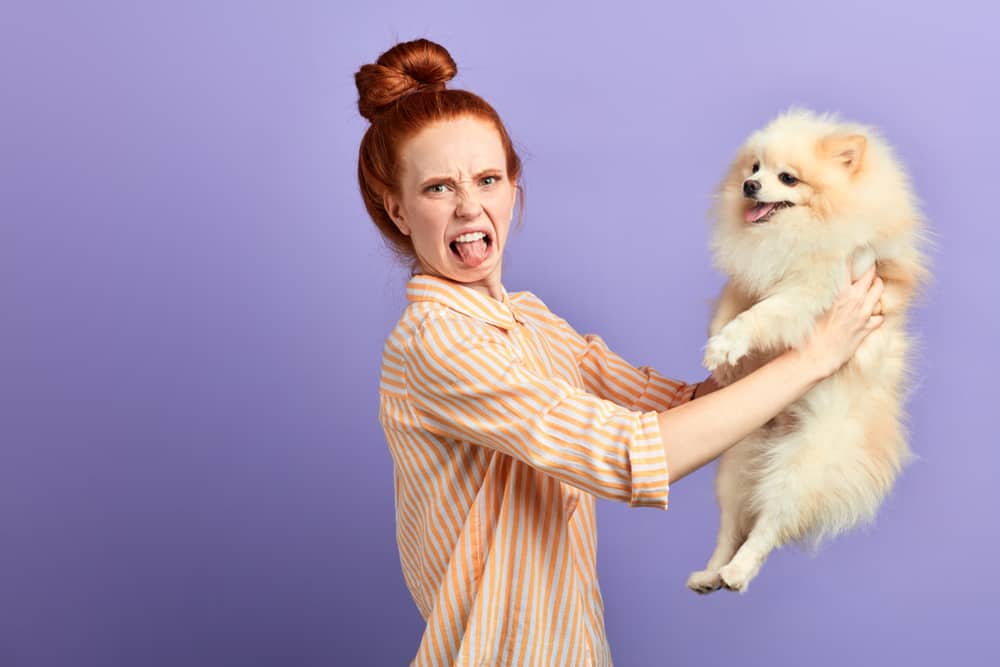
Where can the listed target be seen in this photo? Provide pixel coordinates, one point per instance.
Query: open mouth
(472, 249)
(762, 211)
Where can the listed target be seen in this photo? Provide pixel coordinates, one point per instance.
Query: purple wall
(194, 305)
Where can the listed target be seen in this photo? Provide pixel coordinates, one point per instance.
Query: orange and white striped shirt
(504, 424)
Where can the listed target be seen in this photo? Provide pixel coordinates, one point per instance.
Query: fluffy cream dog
(808, 196)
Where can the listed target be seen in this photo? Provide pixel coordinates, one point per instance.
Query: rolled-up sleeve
(466, 382)
(606, 374)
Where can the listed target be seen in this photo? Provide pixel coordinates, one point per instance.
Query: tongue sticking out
(472, 253)
(759, 211)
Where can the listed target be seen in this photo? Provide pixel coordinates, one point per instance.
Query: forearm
(698, 431)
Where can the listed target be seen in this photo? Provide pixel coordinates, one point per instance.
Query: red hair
(401, 94)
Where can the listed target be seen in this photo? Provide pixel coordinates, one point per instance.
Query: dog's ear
(847, 149)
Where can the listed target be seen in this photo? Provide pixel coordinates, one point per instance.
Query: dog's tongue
(472, 253)
(759, 211)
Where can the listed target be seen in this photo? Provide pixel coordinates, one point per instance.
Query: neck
(491, 290)
(490, 285)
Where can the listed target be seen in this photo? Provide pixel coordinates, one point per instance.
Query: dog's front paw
(704, 581)
(726, 347)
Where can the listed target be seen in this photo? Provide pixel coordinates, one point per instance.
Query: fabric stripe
(504, 425)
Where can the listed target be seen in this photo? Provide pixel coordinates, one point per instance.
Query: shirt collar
(464, 299)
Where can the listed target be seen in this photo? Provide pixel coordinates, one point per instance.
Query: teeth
(471, 236)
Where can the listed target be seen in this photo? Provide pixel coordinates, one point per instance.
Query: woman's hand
(840, 330)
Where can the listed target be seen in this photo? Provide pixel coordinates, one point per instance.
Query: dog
(808, 198)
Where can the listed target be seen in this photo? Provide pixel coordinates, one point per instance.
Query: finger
(873, 295)
(874, 322)
(865, 279)
(860, 288)
(848, 277)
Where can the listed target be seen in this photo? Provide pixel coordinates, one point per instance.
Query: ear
(847, 149)
(392, 206)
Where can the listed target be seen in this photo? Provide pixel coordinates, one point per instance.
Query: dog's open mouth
(762, 211)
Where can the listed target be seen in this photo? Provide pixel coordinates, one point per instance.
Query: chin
(808, 199)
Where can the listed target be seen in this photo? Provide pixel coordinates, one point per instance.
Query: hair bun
(403, 69)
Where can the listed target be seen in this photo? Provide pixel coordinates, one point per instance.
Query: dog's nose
(750, 188)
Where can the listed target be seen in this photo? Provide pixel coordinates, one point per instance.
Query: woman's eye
(437, 189)
(787, 178)
(756, 167)
(490, 180)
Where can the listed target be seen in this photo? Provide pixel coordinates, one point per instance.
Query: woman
(503, 422)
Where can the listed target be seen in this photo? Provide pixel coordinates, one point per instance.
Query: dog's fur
(825, 463)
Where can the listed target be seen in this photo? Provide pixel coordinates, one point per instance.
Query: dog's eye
(756, 166)
(787, 178)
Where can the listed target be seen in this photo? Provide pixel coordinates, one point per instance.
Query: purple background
(194, 305)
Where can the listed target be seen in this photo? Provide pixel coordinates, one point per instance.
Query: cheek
(819, 203)
(803, 194)
(501, 202)
(492, 211)
(427, 217)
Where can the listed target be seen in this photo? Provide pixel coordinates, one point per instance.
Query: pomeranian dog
(809, 198)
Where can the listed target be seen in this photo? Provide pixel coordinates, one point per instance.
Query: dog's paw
(704, 581)
(726, 347)
(735, 578)
(724, 374)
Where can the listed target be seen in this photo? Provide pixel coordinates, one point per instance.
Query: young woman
(504, 423)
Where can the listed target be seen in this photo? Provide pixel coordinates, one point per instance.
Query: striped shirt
(504, 425)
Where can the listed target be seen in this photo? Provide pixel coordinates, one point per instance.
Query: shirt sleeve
(609, 376)
(466, 382)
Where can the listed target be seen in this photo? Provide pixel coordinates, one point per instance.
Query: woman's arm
(604, 372)
(698, 431)
(464, 382)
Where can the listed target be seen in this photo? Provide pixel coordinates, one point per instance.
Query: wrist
(808, 364)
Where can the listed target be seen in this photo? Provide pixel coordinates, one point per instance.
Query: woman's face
(456, 201)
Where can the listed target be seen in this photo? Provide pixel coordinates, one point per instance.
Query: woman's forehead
(464, 145)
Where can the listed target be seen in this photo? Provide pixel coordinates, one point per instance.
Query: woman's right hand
(840, 330)
(701, 430)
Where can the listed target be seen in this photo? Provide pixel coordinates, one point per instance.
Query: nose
(751, 188)
(468, 205)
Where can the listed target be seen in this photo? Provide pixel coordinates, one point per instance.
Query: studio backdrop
(194, 304)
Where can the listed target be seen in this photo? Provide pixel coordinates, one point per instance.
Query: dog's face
(795, 171)
(803, 190)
